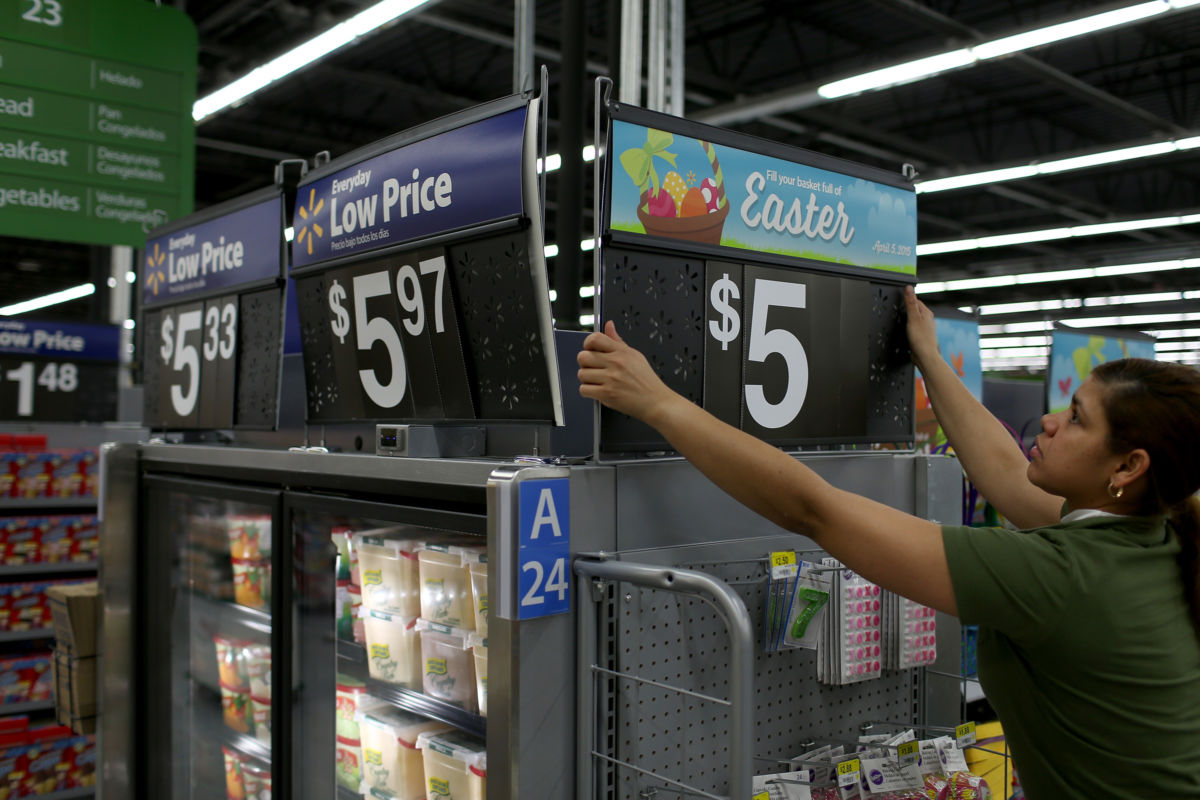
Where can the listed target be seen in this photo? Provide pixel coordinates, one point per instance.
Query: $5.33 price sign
(786, 354)
(197, 352)
(394, 335)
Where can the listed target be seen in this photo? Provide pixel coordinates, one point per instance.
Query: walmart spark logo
(154, 274)
(305, 236)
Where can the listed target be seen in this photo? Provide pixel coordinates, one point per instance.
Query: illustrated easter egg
(676, 187)
(708, 188)
(661, 204)
(693, 204)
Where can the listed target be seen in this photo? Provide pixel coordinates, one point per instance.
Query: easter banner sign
(1074, 355)
(667, 185)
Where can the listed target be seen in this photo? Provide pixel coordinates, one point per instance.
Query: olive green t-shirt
(1087, 654)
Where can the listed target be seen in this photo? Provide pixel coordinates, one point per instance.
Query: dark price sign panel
(212, 332)
(792, 357)
(54, 372)
(443, 333)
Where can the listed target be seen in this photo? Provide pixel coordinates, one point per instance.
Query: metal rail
(741, 668)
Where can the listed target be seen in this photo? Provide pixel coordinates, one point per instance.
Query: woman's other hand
(922, 330)
(620, 377)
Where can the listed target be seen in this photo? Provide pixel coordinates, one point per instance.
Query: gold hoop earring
(1117, 494)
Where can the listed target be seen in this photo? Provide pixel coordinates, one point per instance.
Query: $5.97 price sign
(393, 325)
(197, 352)
(785, 351)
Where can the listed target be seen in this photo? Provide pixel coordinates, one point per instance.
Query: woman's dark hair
(1155, 405)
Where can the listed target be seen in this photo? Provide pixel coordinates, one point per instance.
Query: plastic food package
(350, 697)
(393, 648)
(968, 786)
(479, 648)
(261, 708)
(446, 584)
(258, 669)
(455, 766)
(389, 572)
(257, 779)
(235, 708)
(252, 583)
(391, 761)
(349, 762)
(479, 595)
(235, 787)
(231, 663)
(249, 536)
(448, 668)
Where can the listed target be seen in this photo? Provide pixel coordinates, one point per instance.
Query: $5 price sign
(198, 344)
(396, 323)
(725, 328)
(787, 353)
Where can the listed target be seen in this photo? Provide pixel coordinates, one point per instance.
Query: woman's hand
(922, 330)
(619, 376)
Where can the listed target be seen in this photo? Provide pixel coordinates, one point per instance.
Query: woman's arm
(991, 458)
(896, 550)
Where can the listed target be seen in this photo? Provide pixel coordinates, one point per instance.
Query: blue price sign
(543, 554)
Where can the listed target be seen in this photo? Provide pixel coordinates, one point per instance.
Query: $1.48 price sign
(35, 388)
(394, 335)
(197, 350)
(785, 351)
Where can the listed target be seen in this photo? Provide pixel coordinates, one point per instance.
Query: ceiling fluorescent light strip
(1016, 279)
(298, 58)
(1002, 174)
(1051, 234)
(54, 298)
(929, 66)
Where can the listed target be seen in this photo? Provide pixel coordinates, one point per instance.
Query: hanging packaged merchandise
(909, 633)
(781, 786)
(853, 631)
(797, 596)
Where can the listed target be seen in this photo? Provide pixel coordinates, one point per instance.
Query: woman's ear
(1135, 464)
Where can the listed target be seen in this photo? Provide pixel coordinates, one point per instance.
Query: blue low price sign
(455, 179)
(58, 372)
(543, 554)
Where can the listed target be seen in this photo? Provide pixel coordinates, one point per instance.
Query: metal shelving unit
(25, 636)
(43, 569)
(26, 707)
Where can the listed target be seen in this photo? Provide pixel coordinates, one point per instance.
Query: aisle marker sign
(543, 550)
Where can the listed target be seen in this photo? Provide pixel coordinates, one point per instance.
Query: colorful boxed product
(249, 536)
(252, 583)
(350, 697)
(235, 782)
(236, 709)
(348, 762)
(26, 679)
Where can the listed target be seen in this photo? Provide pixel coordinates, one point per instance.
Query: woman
(1089, 619)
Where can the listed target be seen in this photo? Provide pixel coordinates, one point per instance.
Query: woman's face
(1070, 458)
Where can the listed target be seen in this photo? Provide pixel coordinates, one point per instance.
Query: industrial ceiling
(753, 66)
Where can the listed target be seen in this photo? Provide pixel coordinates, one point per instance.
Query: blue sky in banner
(959, 343)
(775, 206)
(1073, 356)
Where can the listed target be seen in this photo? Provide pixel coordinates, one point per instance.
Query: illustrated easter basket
(690, 222)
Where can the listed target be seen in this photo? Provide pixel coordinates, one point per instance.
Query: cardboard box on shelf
(74, 687)
(75, 608)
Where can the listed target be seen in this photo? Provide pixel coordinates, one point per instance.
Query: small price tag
(965, 734)
(783, 564)
(762, 796)
(848, 772)
(908, 753)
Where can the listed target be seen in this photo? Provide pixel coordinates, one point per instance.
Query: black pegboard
(505, 354)
(260, 328)
(151, 331)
